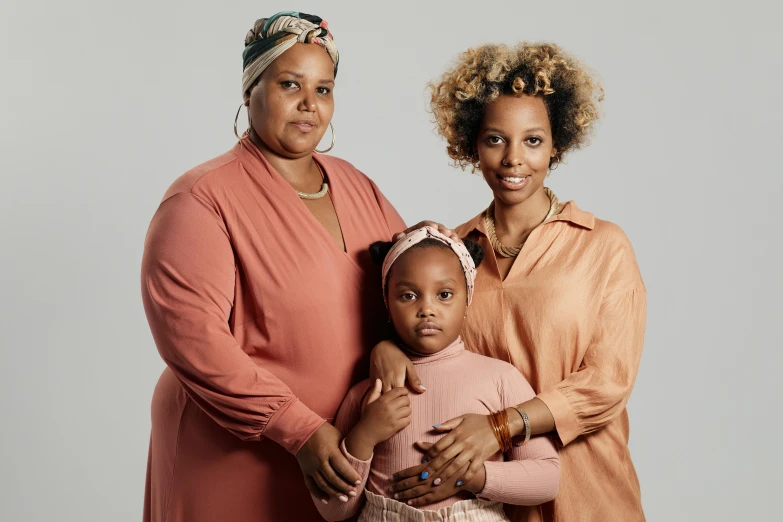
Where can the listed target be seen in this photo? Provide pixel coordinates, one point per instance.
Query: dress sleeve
(187, 278)
(598, 391)
(347, 417)
(531, 475)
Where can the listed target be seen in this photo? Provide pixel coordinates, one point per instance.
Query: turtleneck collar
(450, 351)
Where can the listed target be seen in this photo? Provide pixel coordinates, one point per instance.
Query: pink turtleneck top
(458, 382)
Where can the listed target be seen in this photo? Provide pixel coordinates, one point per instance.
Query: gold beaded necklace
(489, 222)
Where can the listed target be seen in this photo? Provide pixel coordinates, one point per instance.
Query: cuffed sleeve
(531, 476)
(188, 276)
(347, 417)
(597, 393)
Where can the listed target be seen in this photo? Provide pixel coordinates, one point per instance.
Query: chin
(426, 346)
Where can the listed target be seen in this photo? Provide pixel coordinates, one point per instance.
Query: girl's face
(514, 146)
(427, 298)
(292, 104)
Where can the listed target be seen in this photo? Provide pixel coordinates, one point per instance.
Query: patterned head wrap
(271, 37)
(419, 235)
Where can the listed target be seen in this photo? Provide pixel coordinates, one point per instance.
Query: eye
(494, 140)
(288, 84)
(408, 296)
(323, 90)
(534, 140)
(445, 295)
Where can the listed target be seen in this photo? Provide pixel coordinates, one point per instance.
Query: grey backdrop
(104, 103)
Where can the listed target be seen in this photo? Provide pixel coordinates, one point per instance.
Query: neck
(518, 219)
(301, 172)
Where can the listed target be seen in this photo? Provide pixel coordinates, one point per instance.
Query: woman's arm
(187, 279)
(531, 478)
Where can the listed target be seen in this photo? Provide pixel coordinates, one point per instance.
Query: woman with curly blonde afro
(559, 295)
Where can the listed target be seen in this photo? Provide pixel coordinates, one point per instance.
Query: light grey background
(104, 103)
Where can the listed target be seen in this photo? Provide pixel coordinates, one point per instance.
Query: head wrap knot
(271, 37)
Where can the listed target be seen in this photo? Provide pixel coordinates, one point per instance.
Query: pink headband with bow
(416, 237)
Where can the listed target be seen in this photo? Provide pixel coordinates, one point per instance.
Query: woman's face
(292, 104)
(514, 146)
(427, 298)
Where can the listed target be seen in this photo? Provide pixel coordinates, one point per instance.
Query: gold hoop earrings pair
(236, 131)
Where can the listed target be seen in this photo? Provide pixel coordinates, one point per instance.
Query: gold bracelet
(526, 420)
(501, 430)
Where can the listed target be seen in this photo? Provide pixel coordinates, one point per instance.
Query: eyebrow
(534, 129)
(300, 75)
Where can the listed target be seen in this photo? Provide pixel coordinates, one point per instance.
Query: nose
(425, 308)
(515, 156)
(307, 103)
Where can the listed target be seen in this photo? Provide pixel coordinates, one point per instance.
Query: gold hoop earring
(236, 118)
(334, 137)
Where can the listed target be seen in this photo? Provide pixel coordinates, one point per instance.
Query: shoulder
(507, 379)
(355, 394)
(619, 257)
(489, 364)
(204, 177)
(469, 226)
(346, 170)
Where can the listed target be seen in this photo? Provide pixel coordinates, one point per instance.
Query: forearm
(539, 416)
(521, 482)
(359, 444)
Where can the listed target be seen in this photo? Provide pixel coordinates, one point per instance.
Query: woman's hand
(457, 458)
(389, 364)
(441, 228)
(326, 471)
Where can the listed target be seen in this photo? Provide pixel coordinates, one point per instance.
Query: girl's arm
(348, 416)
(371, 418)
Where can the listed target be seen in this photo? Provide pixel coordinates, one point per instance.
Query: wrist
(359, 443)
(515, 423)
(476, 484)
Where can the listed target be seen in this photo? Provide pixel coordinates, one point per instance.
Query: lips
(513, 181)
(428, 328)
(304, 125)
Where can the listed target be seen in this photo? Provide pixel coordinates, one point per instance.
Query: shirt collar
(454, 349)
(571, 213)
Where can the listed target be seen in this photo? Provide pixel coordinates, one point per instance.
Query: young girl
(428, 285)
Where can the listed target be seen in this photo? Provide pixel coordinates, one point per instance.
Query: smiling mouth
(513, 182)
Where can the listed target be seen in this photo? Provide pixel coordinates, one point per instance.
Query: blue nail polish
(425, 475)
(459, 483)
(423, 461)
(435, 425)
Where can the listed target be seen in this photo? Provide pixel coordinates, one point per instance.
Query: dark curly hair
(482, 74)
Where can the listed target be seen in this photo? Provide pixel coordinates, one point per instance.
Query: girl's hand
(383, 415)
(441, 228)
(389, 364)
(457, 457)
(326, 471)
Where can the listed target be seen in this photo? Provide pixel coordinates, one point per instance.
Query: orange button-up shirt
(570, 316)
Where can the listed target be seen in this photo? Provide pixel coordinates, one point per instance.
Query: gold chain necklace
(489, 222)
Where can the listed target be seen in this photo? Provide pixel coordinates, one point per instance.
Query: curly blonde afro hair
(480, 75)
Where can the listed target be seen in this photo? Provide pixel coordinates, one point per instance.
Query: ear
(554, 152)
